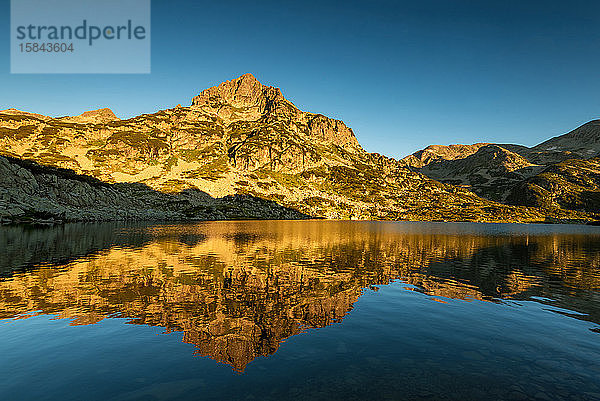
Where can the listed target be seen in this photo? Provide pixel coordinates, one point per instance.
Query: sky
(402, 75)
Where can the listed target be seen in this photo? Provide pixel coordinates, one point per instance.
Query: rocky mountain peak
(582, 142)
(104, 113)
(241, 98)
(245, 99)
(100, 116)
(435, 153)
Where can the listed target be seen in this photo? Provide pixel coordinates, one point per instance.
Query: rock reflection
(237, 290)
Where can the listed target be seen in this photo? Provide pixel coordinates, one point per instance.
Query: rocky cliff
(244, 138)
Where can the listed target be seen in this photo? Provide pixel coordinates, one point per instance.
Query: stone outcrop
(99, 116)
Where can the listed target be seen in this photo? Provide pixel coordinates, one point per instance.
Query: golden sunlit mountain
(238, 138)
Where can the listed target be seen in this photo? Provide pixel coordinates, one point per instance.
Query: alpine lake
(300, 310)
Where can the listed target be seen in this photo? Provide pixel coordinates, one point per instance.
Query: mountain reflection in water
(237, 290)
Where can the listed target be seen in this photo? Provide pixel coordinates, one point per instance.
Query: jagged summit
(245, 92)
(246, 99)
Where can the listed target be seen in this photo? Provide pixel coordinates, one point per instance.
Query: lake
(302, 310)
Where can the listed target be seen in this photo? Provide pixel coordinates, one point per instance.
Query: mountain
(104, 115)
(558, 174)
(437, 153)
(490, 172)
(573, 184)
(15, 112)
(581, 143)
(242, 137)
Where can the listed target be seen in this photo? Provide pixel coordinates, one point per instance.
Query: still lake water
(302, 310)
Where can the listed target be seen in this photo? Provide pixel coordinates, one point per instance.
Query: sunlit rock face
(99, 116)
(243, 98)
(237, 290)
(244, 137)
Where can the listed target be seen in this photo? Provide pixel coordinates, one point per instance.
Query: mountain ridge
(243, 137)
(548, 171)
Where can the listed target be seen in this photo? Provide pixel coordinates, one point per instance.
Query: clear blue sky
(402, 75)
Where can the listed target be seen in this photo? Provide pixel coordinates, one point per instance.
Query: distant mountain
(437, 153)
(104, 115)
(573, 184)
(581, 143)
(553, 174)
(490, 172)
(15, 112)
(243, 137)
